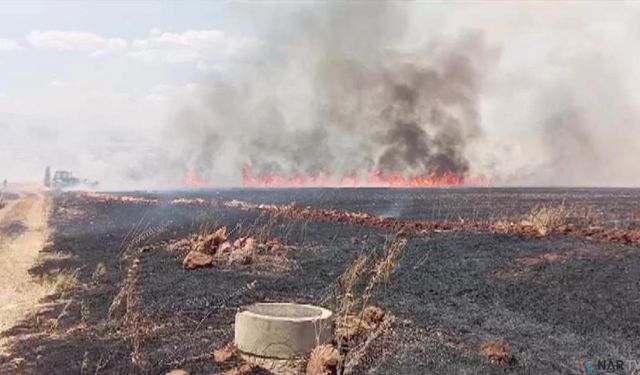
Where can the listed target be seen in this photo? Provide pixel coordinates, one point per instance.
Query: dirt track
(23, 231)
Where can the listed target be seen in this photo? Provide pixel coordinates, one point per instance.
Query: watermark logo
(609, 366)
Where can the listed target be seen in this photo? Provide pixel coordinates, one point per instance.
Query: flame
(374, 178)
(193, 180)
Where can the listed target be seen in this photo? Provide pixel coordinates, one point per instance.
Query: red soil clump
(498, 352)
(624, 236)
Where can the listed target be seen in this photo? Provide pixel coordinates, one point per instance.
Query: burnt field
(609, 206)
(465, 297)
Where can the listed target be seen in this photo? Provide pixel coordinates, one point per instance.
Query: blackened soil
(12, 229)
(554, 301)
(613, 207)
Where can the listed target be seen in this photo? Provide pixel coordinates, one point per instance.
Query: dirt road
(23, 232)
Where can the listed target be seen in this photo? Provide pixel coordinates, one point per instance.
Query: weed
(85, 312)
(385, 266)
(86, 363)
(61, 282)
(356, 319)
(140, 234)
(347, 282)
(584, 217)
(546, 217)
(100, 270)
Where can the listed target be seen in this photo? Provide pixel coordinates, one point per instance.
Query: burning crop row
(374, 178)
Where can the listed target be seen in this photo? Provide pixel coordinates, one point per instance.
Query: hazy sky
(84, 83)
(102, 72)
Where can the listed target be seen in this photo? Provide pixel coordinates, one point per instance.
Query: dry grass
(546, 217)
(584, 217)
(142, 233)
(346, 298)
(385, 266)
(360, 279)
(358, 323)
(270, 225)
(97, 274)
(62, 282)
(85, 312)
(376, 345)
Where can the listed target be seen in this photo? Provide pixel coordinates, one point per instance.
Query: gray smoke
(523, 94)
(340, 94)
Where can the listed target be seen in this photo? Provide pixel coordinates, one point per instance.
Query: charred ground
(132, 308)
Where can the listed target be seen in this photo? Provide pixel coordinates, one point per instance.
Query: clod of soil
(244, 250)
(498, 352)
(196, 259)
(177, 372)
(350, 327)
(220, 249)
(324, 360)
(225, 248)
(225, 353)
(372, 316)
(209, 243)
(243, 369)
(275, 247)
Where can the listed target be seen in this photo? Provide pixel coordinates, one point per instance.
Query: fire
(374, 178)
(193, 180)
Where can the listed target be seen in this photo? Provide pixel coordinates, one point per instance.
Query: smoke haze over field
(531, 94)
(343, 96)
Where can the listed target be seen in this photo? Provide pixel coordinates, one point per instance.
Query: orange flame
(374, 178)
(193, 180)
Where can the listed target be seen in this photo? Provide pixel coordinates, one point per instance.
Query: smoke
(522, 94)
(534, 93)
(341, 94)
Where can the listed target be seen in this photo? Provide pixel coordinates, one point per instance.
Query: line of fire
(374, 178)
